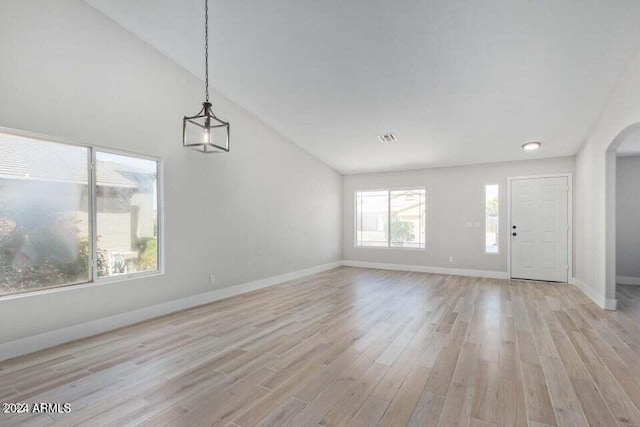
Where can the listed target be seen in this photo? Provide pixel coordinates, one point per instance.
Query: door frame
(569, 177)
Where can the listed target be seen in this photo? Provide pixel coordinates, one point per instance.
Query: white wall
(455, 195)
(595, 228)
(265, 209)
(628, 217)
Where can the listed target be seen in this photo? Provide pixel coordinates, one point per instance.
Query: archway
(629, 132)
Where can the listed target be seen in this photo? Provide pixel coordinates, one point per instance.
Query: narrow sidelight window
(492, 203)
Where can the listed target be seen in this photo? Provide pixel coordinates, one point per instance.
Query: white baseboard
(425, 269)
(600, 300)
(628, 280)
(50, 339)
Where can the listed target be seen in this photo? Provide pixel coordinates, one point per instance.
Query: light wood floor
(353, 347)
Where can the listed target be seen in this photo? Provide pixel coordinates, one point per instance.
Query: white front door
(539, 229)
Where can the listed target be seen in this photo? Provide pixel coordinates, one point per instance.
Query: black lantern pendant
(205, 132)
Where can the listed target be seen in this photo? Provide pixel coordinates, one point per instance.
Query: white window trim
(388, 190)
(93, 276)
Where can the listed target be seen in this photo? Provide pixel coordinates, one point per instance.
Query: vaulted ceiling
(458, 81)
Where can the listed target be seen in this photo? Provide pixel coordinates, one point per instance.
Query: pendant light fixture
(205, 132)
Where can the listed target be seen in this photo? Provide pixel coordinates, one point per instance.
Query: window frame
(93, 279)
(388, 190)
(486, 217)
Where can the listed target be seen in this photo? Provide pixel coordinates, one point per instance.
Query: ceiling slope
(458, 81)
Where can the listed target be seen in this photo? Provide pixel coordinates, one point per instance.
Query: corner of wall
(600, 300)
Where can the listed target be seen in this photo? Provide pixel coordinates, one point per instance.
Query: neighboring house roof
(24, 158)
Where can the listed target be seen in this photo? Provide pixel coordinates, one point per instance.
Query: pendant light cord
(206, 49)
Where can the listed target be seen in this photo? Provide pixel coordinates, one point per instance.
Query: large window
(390, 218)
(492, 209)
(72, 214)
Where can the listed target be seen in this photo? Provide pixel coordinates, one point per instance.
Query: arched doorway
(629, 134)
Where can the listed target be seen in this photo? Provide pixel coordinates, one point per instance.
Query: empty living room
(244, 213)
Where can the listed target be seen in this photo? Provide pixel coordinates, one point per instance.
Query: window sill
(84, 285)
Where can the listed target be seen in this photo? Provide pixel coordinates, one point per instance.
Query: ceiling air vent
(387, 137)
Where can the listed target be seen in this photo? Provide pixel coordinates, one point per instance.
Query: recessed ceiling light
(530, 146)
(387, 137)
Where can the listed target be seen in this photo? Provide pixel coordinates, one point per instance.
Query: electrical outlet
(450, 259)
(476, 224)
(212, 279)
(469, 224)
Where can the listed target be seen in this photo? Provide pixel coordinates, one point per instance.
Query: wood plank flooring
(353, 347)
